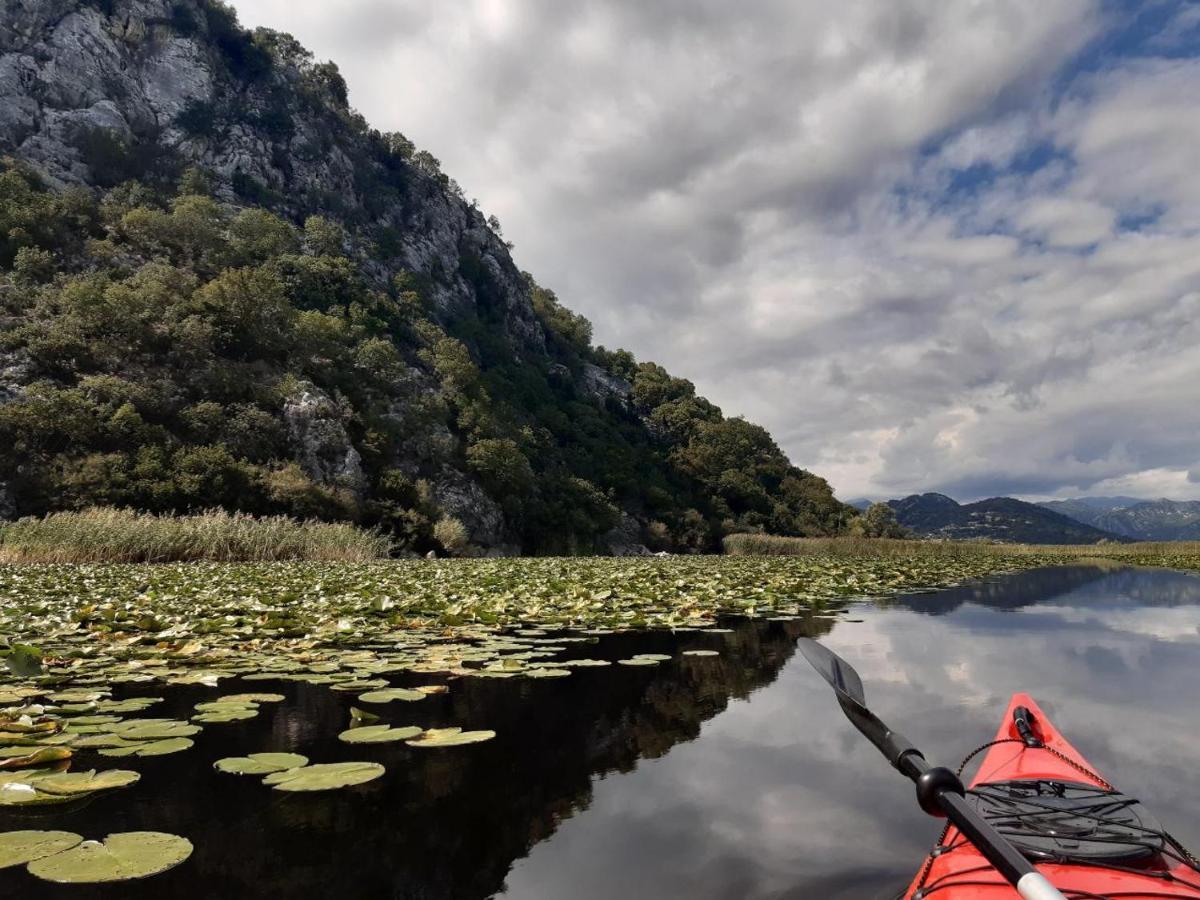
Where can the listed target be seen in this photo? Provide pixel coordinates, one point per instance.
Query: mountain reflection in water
(731, 776)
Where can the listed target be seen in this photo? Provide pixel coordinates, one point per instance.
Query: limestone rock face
(601, 385)
(319, 441)
(625, 538)
(462, 497)
(69, 72)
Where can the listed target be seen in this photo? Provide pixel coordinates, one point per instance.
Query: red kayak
(1087, 839)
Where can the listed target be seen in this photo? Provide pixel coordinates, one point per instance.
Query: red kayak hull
(963, 873)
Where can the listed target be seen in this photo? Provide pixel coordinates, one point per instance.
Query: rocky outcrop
(462, 498)
(625, 538)
(319, 441)
(602, 385)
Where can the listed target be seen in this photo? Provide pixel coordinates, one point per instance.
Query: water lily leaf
(450, 737)
(547, 673)
(119, 857)
(387, 695)
(155, 731)
(358, 716)
(701, 653)
(260, 763)
(150, 748)
(638, 661)
(236, 714)
(656, 657)
(63, 783)
(24, 660)
(585, 663)
(251, 698)
(433, 689)
(20, 847)
(43, 756)
(101, 742)
(378, 734)
(325, 776)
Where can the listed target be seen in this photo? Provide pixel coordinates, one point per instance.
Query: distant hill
(1142, 520)
(997, 519)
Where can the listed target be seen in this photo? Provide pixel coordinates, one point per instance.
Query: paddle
(939, 791)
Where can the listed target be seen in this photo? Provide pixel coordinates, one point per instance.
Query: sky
(928, 245)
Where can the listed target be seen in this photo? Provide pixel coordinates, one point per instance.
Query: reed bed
(106, 535)
(1174, 554)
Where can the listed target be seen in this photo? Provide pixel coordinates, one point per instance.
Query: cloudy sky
(930, 245)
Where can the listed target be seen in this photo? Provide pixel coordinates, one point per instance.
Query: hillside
(997, 519)
(1142, 520)
(222, 288)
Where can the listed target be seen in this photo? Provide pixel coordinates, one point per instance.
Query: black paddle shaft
(939, 790)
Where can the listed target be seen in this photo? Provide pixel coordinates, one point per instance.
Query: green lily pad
(656, 657)
(378, 734)
(547, 673)
(119, 857)
(701, 653)
(585, 663)
(387, 695)
(638, 661)
(260, 763)
(324, 776)
(251, 698)
(227, 715)
(450, 737)
(155, 731)
(20, 847)
(150, 748)
(64, 783)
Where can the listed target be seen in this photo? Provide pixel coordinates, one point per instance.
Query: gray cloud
(812, 211)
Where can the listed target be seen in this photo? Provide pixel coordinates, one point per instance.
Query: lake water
(727, 777)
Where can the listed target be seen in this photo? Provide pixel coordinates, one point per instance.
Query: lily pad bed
(388, 637)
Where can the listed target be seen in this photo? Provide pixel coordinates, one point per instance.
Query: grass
(126, 536)
(1172, 554)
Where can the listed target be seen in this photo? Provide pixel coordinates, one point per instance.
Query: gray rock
(318, 439)
(600, 385)
(461, 497)
(625, 538)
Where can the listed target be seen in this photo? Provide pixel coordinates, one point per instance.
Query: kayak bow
(1086, 838)
(1037, 821)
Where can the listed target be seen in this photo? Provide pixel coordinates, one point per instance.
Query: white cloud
(823, 214)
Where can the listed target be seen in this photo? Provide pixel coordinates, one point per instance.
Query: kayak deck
(1025, 790)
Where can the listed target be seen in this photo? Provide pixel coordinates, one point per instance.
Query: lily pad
(387, 695)
(638, 661)
(155, 731)
(251, 698)
(150, 748)
(378, 734)
(65, 783)
(656, 657)
(701, 653)
(324, 776)
(450, 737)
(260, 763)
(547, 673)
(43, 756)
(119, 857)
(20, 847)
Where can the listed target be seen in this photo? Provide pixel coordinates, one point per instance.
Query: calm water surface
(729, 777)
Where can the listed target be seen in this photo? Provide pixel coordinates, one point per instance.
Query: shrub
(452, 535)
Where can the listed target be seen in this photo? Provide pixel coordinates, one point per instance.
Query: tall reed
(105, 534)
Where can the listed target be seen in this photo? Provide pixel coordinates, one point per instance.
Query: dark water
(701, 778)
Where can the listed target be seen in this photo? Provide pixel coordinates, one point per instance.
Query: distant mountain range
(997, 519)
(1129, 517)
